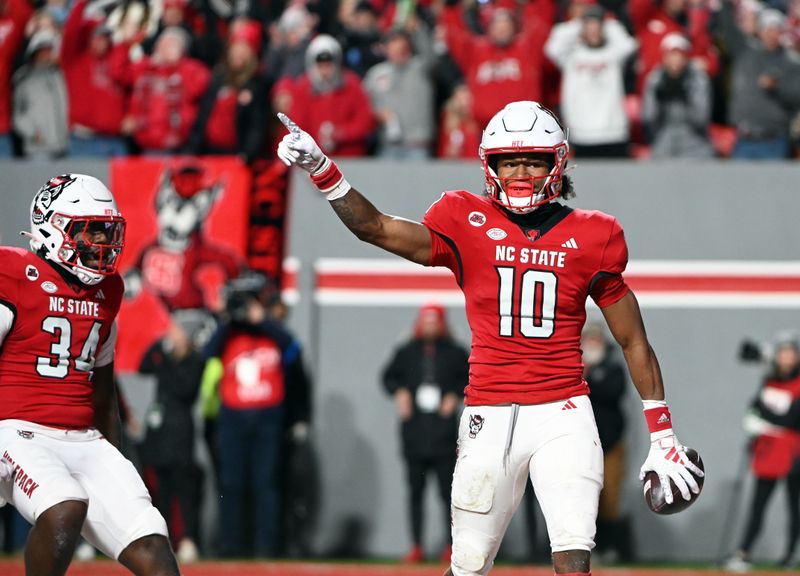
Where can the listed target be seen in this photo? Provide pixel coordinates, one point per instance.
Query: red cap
(431, 310)
(247, 31)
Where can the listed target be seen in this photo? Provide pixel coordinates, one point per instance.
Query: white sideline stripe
(639, 267)
(652, 300)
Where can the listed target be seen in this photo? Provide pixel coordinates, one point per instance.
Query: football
(654, 495)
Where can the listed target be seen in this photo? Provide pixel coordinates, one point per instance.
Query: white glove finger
(693, 468)
(293, 128)
(663, 480)
(642, 472)
(682, 486)
(690, 481)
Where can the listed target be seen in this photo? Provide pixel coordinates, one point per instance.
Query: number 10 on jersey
(535, 293)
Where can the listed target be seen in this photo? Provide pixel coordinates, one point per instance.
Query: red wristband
(328, 178)
(658, 419)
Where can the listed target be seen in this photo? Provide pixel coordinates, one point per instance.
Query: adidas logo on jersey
(570, 244)
(99, 295)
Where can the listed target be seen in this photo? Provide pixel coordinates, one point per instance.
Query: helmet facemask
(522, 194)
(91, 245)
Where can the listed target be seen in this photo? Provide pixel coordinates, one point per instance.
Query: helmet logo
(31, 272)
(477, 219)
(52, 190)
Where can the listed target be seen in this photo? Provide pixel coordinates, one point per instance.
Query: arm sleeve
(607, 285)
(106, 354)
(562, 42)
(444, 251)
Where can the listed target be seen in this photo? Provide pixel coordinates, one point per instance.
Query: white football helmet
(76, 224)
(520, 128)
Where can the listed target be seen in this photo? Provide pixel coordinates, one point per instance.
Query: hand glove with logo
(667, 456)
(298, 148)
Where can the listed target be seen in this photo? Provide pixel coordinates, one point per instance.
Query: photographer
(254, 384)
(774, 425)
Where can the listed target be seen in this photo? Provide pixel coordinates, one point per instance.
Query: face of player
(523, 174)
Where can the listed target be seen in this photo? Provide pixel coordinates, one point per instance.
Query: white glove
(668, 459)
(667, 456)
(298, 148)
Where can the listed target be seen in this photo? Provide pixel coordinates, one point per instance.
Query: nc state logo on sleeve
(31, 272)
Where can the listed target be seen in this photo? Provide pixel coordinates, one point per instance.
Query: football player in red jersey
(526, 265)
(59, 419)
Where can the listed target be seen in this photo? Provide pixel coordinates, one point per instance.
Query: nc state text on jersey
(77, 307)
(551, 258)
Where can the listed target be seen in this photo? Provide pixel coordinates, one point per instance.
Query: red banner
(186, 234)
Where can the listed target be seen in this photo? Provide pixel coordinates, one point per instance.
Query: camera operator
(773, 422)
(254, 384)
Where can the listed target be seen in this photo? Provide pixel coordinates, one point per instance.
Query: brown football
(654, 495)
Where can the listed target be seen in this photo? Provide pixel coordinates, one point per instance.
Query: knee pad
(467, 560)
(473, 487)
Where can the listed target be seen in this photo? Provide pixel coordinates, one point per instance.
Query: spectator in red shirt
(233, 113)
(505, 64)
(13, 16)
(165, 92)
(654, 19)
(96, 101)
(328, 101)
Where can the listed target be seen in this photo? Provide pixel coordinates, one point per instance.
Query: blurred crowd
(397, 78)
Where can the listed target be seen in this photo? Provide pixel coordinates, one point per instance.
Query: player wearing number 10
(526, 264)
(59, 419)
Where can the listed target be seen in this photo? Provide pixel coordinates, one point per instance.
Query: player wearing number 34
(59, 419)
(526, 264)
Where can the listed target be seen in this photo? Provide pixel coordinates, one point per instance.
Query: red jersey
(525, 279)
(47, 356)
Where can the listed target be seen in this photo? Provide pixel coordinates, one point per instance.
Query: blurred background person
(253, 366)
(654, 19)
(14, 14)
(96, 102)
(591, 52)
(676, 105)
(361, 37)
(503, 65)
(426, 377)
(165, 92)
(459, 133)
(167, 451)
(328, 101)
(765, 89)
(401, 90)
(39, 116)
(233, 113)
(607, 384)
(773, 423)
(289, 40)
